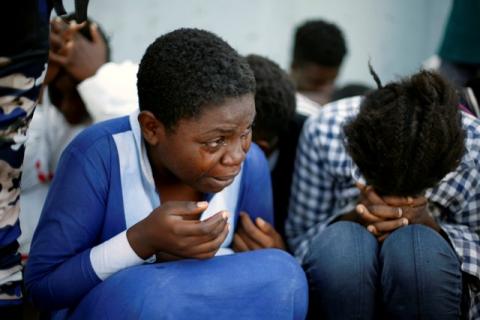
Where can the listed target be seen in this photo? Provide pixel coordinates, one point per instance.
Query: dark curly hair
(408, 135)
(188, 69)
(319, 42)
(274, 97)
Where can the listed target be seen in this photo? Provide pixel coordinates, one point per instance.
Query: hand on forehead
(395, 201)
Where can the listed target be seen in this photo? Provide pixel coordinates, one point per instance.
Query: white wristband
(113, 255)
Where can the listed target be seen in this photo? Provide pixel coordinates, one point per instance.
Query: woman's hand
(383, 215)
(258, 235)
(175, 229)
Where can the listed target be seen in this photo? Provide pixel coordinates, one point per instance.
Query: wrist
(349, 216)
(137, 237)
(429, 221)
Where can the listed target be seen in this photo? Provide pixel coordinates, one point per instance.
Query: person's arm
(460, 221)
(256, 192)
(255, 224)
(59, 271)
(108, 89)
(111, 92)
(313, 200)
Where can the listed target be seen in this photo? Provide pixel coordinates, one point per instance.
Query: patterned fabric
(324, 188)
(25, 28)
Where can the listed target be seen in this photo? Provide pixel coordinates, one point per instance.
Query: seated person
(319, 48)
(167, 183)
(385, 204)
(63, 113)
(277, 129)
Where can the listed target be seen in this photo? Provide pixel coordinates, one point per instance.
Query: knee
(341, 236)
(341, 252)
(282, 269)
(417, 248)
(420, 273)
(284, 280)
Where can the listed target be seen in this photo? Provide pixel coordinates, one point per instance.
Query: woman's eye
(247, 132)
(214, 144)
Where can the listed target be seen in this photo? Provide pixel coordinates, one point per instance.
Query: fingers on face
(96, 37)
(57, 58)
(382, 227)
(405, 201)
(365, 214)
(386, 212)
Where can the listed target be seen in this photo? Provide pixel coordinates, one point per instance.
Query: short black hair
(274, 97)
(187, 69)
(319, 42)
(407, 135)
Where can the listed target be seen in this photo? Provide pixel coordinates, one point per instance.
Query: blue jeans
(414, 274)
(261, 284)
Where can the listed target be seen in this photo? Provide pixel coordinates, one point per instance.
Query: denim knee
(342, 270)
(287, 282)
(420, 275)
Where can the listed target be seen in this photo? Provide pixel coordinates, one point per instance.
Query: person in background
(384, 213)
(167, 183)
(319, 49)
(277, 129)
(71, 78)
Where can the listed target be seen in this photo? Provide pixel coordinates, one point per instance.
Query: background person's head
(62, 90)
(407, 135)
(274, 102)
(318, 51)
(196, 96)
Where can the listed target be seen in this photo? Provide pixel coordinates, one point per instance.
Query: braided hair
(408, 134)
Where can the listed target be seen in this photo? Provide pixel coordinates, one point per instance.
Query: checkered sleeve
(320, 155)
(467, 246)
(466, 243)
(459, 194)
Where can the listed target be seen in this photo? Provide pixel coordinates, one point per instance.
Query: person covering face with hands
(384, 208)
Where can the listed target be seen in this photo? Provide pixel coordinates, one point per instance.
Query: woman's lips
(224, 181)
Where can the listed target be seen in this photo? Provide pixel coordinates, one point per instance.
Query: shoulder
(305, 106)
(96, 142)
(255, 160)
(331, 118)
(471, 125)
(323, 132)
(99, 133)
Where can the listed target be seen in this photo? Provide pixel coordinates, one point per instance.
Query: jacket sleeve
(59, 271)
(256, 189)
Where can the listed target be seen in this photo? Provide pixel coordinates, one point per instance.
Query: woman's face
(206, 152)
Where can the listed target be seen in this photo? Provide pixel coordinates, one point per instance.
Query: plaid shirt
(324, 188)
